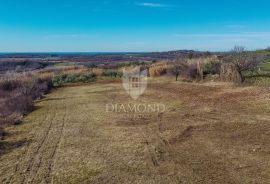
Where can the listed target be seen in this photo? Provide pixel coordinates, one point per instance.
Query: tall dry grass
(97, 71)
(159, 69)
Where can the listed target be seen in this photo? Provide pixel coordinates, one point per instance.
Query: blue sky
(132, 25)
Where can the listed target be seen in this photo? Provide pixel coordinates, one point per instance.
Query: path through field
(209, 133)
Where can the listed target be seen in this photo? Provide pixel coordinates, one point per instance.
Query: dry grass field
(209, 133)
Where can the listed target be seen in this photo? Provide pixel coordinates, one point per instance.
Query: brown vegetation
(230, 73)
(17, 93)
(242, 61)
(159, 69)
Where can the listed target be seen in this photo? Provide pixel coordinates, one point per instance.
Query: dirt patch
(187, 133)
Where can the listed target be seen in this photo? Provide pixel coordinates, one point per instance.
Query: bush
(40, 87)
(72, 78)
(20, 104)
(158, 69)
(97, 71)
(17, 94)
(213, 68)
(9, 84)
(188, 71)
(192, 71)
(112, 73)
(90, 77)
(59, 80)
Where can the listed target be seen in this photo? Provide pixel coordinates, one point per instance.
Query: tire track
(22, 156)
(37, 153)
(158, 148)
(52, 163)
(31, 162)
(42, 171)
(23, 167)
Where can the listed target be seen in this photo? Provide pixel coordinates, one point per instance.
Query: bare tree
(175, 70)
(178, 67)
(243, 60)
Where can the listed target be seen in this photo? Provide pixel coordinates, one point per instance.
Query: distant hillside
(82, 57)
(32, 61)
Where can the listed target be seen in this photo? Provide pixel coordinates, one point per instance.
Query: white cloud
(152, 5)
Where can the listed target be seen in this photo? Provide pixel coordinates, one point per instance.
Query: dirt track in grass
(209, 133)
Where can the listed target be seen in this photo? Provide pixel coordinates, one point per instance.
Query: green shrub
(112, 73)
(59, 80)
(72, 78)
(90, 77)
(213, 67)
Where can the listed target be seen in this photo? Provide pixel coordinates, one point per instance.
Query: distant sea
(71, 53)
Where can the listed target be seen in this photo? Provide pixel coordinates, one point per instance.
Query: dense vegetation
(17, 93)
(22, 65)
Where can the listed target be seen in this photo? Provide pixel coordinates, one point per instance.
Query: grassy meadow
(210, 132)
